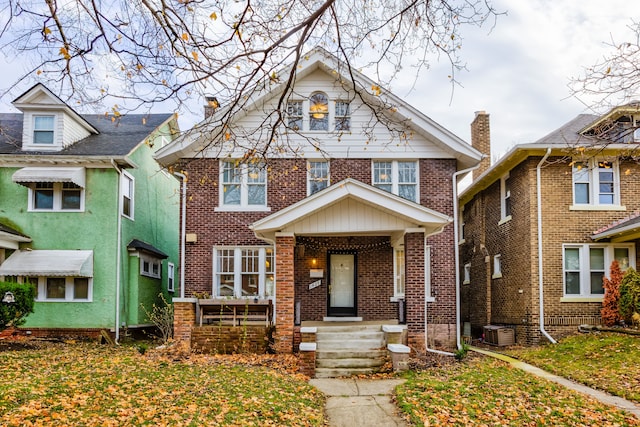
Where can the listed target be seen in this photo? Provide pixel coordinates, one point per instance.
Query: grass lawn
(94, 385)
(488, 392)
(606, 361)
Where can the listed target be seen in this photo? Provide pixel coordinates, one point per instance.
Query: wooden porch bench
(234, 310)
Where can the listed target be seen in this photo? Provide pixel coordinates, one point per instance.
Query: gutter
(456, 239)
(183, 212)
(118, 250)
(540, 263)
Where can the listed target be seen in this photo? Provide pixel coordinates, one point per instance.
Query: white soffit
(39, 174)
(51, 263)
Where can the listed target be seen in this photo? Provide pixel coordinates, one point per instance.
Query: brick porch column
(184, 319)
(414, 286)
(285, 292)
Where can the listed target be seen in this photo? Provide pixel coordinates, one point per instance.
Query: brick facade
(287, 185)
(513, 299)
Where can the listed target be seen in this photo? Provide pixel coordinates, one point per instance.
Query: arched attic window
(318, 111)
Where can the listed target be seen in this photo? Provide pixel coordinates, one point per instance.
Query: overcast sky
(518, 72)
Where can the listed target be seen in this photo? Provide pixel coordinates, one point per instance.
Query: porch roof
(624, 230)
(354, 208)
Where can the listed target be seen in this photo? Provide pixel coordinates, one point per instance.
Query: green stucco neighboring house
(86, 213)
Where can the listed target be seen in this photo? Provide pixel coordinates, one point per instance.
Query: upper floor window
(342, 116)
(505, 197)
(243, 271)
(43, 130)
(127, 192)
(318, 176)
(595, 182)
(318, 111)
(55, 196)
(243, 184)
(171, 272)
(585, 266)
(294, 115)
(397, 177)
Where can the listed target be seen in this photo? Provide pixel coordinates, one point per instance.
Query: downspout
(118, 254)
(456, 238)
(183, 213)
(540, 266)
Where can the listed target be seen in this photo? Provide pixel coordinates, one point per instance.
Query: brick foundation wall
(225, 339)
(184, 319)
(65, 333)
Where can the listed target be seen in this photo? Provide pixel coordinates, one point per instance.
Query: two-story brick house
(347, 222)
(86, 215)
(540, 228)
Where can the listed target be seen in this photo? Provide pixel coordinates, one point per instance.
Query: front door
(342, 284)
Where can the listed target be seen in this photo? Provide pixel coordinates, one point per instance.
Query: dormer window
(318, 112)
(43, 130)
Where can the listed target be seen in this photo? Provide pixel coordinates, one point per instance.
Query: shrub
(610, 311)
(161, 315)
(14, 313)
(629, 295)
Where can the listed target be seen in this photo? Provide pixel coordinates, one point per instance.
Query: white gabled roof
(193, 142)
(351, 207)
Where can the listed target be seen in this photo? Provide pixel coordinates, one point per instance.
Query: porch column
(285, 292)
(415, 286)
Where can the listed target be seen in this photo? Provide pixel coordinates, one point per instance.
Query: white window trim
(57, 199)
(398, 270)
(466, 278)
(497, 266)
(29, 130)
(237, 271)
(127, 179)
(585, 294)
(594, 186)
(69, 282)
(394, 176)
(244, 205)
(152, 261)
(504, 195)
(171, 277)
(331, 119)
(461, 225)
(309, 174)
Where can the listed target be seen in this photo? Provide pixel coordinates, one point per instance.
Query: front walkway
(603, 397)
(360, 402)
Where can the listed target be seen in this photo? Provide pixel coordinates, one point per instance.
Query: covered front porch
(351, 251)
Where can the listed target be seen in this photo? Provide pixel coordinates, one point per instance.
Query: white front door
(342, 285)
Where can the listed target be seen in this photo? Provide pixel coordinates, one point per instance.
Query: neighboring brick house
(86, 216)
(346, 223)
(589, 181)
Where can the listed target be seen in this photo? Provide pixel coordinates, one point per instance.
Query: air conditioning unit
(499, 335)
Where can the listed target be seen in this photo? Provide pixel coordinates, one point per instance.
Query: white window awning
(40, 174)
(49, 263)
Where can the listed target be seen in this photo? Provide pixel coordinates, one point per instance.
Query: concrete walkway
(360, 402)
(603, 397)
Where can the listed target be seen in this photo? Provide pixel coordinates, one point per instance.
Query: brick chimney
(211, 106)
(481, 141)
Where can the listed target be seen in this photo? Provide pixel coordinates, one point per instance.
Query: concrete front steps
(349, 350)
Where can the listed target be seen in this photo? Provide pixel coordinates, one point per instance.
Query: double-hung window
(243, 271)
(43, 130)
(318, 176)
(294, 115)
(398, 272)
(505, 198)
(127, 192)
(56, 196)
(585, 265)
(243, 185)
(595, 183)
(397, 177)
(342, 116)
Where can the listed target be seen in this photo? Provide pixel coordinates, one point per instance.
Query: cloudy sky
(517, 72)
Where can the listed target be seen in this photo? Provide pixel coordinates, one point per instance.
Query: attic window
(43, 130)
(318, 112)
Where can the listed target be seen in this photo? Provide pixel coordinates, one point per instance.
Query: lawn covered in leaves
(488, 392)
(606, 361)
(94, 385)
